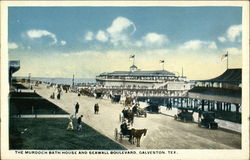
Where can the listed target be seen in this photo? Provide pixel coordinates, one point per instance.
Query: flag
(131, 56)
(224, 56)
(162, 61)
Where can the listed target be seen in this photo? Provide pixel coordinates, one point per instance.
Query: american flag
(224, 56)
(131, 56)
(162, 61)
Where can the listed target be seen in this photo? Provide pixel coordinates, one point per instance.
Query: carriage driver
(135, 109)
(126, 129)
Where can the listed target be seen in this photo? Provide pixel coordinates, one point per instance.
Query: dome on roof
(133, 66)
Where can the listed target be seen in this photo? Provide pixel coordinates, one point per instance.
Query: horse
(137, 133)
(128, 101)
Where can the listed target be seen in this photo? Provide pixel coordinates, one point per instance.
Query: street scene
(125, 78)
(164, 132)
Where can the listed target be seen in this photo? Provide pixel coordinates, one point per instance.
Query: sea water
(66, 81)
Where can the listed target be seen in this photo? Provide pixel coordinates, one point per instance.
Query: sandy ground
(163, 131)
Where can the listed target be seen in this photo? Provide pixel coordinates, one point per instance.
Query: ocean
(66, 81)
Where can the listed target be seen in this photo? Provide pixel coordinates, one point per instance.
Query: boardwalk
(163, 131)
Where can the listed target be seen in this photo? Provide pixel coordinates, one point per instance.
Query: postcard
(125, 80)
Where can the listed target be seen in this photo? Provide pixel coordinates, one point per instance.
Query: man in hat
(126, 129)
(76, 108)
(96, 108)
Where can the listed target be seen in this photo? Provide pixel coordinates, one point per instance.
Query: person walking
(96, 107)
(76, 108)
(79, 123)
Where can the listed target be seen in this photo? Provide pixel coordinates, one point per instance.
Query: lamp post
(73, 80)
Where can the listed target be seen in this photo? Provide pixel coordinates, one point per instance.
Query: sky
(86, 41)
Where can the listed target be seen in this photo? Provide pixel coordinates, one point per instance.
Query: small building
(221, 94)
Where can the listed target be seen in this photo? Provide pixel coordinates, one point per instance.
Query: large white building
(137, 79)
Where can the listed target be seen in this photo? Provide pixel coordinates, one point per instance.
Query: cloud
(120, 29)
(233, 51)
(89, 36)
(41, 33)
(211, 45)
(63, 42)
(155, 39)
(120, 24)
(102, 36)
(119, 34)
(198, 44)
(222, 39)
(232, 34)
(12, 45)
(138, 44)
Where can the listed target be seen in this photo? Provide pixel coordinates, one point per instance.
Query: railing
(139, 92)
(157, 80)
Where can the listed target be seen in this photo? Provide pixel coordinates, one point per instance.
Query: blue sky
(101, 35)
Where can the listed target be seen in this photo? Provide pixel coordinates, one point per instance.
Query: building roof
(156, 73)
(133, 66)
(14, 66)
(232, 76)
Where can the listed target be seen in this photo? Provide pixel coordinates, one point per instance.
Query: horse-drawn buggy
(66, 88)
(153, 107)
(184, 115)
(206, 119)
(98, 94)
(131, 134)
(115, 98)
(127, 114)
(139, 111)
(125, 132)
(86, 92)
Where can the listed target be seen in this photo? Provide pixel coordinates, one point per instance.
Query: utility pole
(182, 72)
(29, 79)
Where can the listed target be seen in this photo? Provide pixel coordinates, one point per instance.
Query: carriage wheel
(209, 126)
(116, 134)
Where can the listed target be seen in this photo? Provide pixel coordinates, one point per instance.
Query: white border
(240, 154)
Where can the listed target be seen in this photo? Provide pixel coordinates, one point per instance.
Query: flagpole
(227, 60)
(163, 66)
